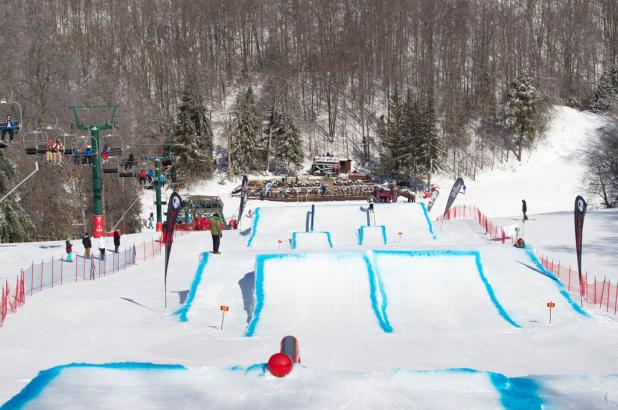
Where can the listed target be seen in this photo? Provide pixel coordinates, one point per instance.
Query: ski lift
(35, 142)
(150, 152)
(110, 166)
(79, 150)
(8, 102)
(114, 144)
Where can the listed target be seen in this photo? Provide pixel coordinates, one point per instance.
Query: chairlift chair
(114, 143)
(35, 142)
(18, 121)
(110, 166)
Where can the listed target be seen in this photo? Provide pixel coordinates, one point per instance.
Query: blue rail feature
(429, 225)
(256, 220)
(197, 279)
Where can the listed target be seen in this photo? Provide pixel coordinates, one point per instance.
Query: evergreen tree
(392, 139)
(411, 138)
(606, 95)
(245, 150)
(523, 112)
(191, 148)
(286, 142)
(431, 150)
(15, 224)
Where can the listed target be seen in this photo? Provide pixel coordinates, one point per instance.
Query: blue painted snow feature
(517, 393)
(326, 233)
(361, 233)
(532, 255)
(479, 266)
(260, 260)
(197, 279)
(257, 368)
(42, 380)
(380, 313)
(256, 219)
(427, 219)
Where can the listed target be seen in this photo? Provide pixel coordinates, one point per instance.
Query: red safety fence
(495, 232)
(47, 274)
(599, 292)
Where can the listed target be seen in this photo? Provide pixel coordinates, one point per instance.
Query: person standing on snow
(116, 240)
(87, 245)
(151, 221)
(69, 249)
(102, 244)
(524, 209)
(215, 230)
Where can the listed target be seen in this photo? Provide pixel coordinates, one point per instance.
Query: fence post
(602, 293)
(569, 287)
(616, 298)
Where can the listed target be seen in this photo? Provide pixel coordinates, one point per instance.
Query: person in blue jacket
(10, 126)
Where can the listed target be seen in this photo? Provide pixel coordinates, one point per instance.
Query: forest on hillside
(332, 69)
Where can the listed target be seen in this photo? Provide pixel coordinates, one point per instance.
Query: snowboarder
(215, 230)
(102, 244)
(370, 201)
(151, 221)
(69, 249)
(524, 209)
(87, 245)
(116, 240)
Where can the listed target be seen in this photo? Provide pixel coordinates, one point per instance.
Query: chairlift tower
(95, 118)
(157, 159)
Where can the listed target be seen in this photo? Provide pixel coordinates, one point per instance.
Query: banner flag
(579, 214)
(243, 197)
(174, 204)
(457, 186)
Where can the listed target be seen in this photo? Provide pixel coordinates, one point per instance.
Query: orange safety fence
(597, 291)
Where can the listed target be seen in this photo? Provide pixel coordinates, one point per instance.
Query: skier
(370, 201)
(151, 221)
(524, 209)
(87, 245)
(116, 240)
(105, 153)
(150, 175)
(520, 243)
(69, 249)
(215, 231)
(102, 244)
(130, 161)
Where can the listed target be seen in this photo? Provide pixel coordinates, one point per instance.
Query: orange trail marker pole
(223, 310)
(550, 305)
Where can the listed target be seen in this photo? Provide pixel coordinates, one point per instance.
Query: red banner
(98, 226)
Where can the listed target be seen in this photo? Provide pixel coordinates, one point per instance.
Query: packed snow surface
(391, 309)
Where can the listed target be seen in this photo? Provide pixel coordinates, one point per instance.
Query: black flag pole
(579, 213)
(174, 204)
(457, 186)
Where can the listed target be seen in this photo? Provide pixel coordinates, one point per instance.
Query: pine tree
(523, 111)
(286, 142)
(392, 139)
(15, 224)
(191, 148)
(431, 150)
(245, 150)
(606, 95)
(409, 150)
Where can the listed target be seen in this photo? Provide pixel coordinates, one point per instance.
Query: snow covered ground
(431, 318)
